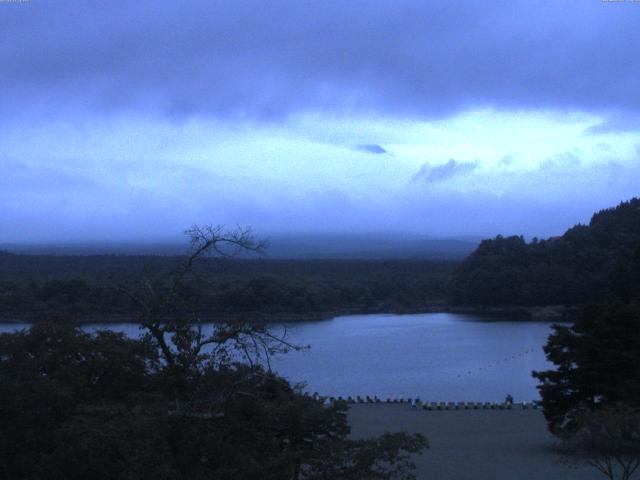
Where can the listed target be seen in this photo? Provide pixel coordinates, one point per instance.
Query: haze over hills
(303, 246)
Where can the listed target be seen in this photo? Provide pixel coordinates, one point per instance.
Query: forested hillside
(566, 270)
(33, 286)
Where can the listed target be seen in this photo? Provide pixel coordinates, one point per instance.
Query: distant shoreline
(549, 313)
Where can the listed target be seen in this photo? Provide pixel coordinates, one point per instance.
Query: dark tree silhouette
(178, 403)
(597, 358)
(608, 440)
(571, 269)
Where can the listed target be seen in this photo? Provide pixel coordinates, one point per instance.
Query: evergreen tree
(597, 358)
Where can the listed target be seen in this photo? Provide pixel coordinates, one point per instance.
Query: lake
(434, 356)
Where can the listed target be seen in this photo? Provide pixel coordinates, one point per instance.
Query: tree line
(567, 270)
(34, 286)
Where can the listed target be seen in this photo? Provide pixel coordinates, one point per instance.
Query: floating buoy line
(507, 359)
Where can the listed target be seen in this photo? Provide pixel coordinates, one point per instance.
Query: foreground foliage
(102, 406)
(178, 403)
(597, 358)
(608, 440)
(592, 399)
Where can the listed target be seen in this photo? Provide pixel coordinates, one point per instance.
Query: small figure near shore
(508, 400)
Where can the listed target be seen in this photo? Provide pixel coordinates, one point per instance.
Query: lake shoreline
(435, 356)
(543, 313)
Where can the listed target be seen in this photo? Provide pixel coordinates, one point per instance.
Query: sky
(132, 120)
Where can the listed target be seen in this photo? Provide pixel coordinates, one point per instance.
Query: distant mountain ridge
(566, 270)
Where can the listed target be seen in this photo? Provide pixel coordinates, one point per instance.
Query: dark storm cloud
(257, 59)
(443, 172)
(376, 149)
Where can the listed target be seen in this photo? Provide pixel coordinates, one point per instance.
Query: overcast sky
(135, 119)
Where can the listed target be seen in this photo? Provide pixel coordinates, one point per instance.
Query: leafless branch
(162, 308)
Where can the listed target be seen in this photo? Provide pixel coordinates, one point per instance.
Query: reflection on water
(434, 356)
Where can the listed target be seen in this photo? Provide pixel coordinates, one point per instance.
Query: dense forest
(506, 271)
(567, 270)
(91, 287)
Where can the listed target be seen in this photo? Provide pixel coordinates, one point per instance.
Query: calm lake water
(434, 356)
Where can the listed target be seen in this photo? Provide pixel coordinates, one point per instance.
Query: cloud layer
(133, 119)
(256, 59)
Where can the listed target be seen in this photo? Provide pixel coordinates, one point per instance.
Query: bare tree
(176, 328)
(606, 439)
